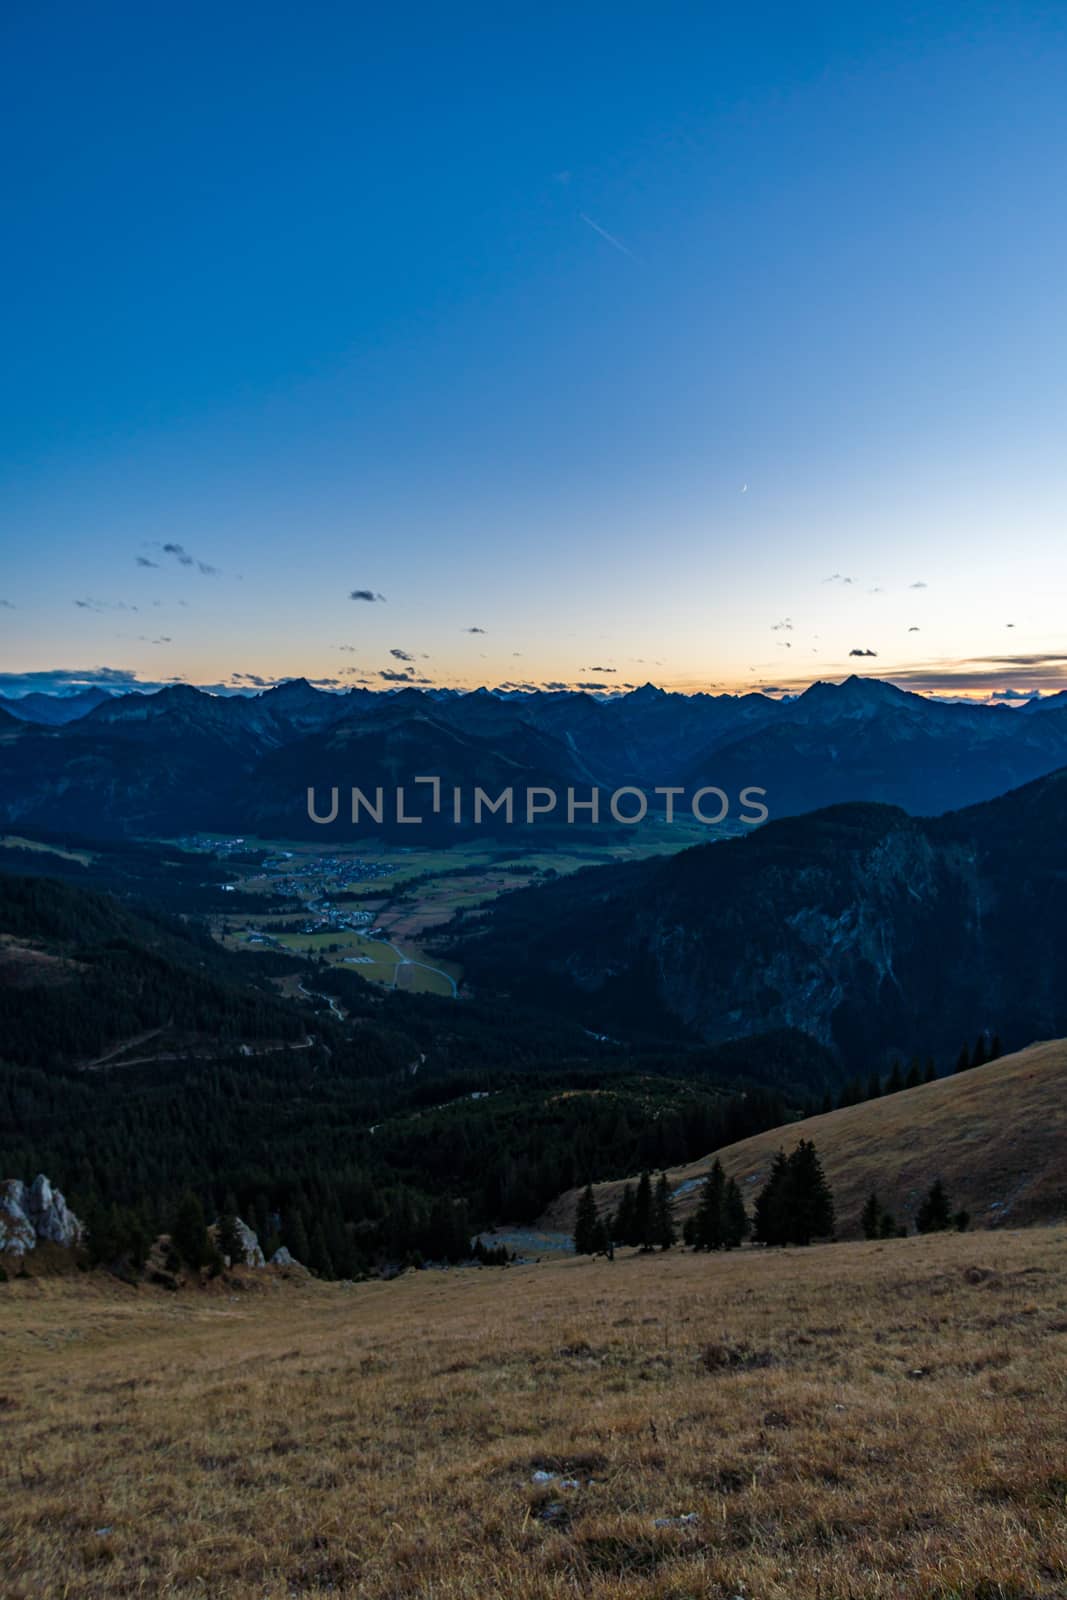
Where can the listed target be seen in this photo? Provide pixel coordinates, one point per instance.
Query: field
(410, 894)
(870, 1421)
(995, 1136)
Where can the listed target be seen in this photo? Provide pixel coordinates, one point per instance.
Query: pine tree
(623, 1226)
(995, 1048)
(934, 1215)
(871, 1217)
(228, 1240)
(874, 1086)
(810, 1203)
(663, 1214)
(586, 1223)
(188, 1234)
(768, 1225)
(914, 1078)
(979, 1056)
(887, 1226)
(930, 1076)
(963, 1060)
(644, 1218)
(895, 1081)
(734, 1217)
(708, 1223)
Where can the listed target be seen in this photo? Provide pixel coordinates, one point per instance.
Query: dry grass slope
(852, 1422)
(996, 1136)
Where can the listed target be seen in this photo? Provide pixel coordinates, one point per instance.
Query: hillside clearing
(995, 1135)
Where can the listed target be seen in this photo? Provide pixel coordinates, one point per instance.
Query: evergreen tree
(963, 1060)
(768, 1225)
(189, 1235)
(708, 1222)
(795, 1205)
(810, 1203)
(586, 1223)
(735, 1217)
(887, 1226)
(930, 1075)
(663, 1213)
(644, 1214)
(934, 1214)
(995, 1048)
(915, 1077)
(623, 1227)
(871, 1217)
(895, 1081)
(979, 1056)
(874, 1086)
(228, 1240)
(294, 1236)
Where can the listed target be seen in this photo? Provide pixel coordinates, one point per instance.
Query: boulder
(282, 1258)
(254, 1256)
(36, 1212)
(51, 1216)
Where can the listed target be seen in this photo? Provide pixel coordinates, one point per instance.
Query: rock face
(282, 1258)
(254, 1256)
(37, 1212)
(252, 1251)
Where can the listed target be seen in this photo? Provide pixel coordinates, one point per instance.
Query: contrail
(604, 234)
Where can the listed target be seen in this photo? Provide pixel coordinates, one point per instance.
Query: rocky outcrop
(35, 1213)
(251, 1249)
(282, 1258)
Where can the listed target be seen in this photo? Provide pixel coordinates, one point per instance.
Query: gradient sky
(623, 333)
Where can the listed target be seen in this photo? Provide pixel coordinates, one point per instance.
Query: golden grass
(858, 1420)
(996, 1136)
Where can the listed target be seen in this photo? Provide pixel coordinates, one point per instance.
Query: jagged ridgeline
(179, 759)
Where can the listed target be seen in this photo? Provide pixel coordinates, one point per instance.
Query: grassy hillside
(995, 1136)
(877, 1421)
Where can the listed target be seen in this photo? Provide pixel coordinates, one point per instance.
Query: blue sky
(612, 332)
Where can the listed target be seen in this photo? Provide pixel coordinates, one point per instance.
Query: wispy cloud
(185, 558)
(365, 594)
(401, 655)
(474, 630)
(863, 652)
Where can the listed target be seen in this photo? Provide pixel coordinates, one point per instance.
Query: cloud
(604, 234)
(143, 561)
(863, 652)
(396, 677)
(186, 559)
(365, 594)
(835, 577)
(104, 605)
(474, 630)
(401, 655)
(785, 626)
(591, 687)
(601, 669)
(555, 688)
(913, 629)
(69, 680)
(1016, 694)
(5, 605)
(919, 585)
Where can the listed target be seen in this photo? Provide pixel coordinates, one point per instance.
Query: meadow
(870, 1421)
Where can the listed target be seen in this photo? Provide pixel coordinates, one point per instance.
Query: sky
(719, 346)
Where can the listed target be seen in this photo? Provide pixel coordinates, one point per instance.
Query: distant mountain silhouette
(182, 759)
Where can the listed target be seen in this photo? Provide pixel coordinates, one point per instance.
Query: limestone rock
(36, 1212)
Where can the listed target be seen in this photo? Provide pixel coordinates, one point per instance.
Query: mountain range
(878, 934)
(183, 759)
